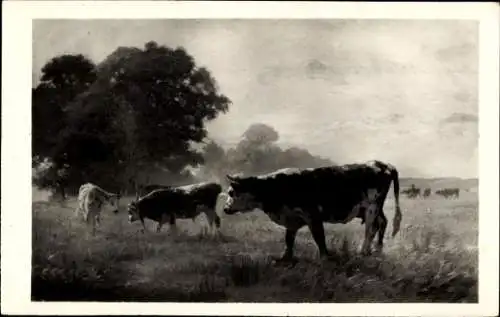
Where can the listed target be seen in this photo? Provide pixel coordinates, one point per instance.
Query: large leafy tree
(171, 98)
(63, 78)
(144, 108)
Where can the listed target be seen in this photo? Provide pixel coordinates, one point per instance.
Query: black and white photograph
(284, 160)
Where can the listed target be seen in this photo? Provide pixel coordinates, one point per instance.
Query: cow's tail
(396, 222)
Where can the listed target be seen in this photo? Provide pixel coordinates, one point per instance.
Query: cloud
(461, 118)
(312, 69)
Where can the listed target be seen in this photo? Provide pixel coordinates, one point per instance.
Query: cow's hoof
(286, 261)
(366, 253)
(378, 250)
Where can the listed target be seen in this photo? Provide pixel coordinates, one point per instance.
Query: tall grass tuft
(247, 271)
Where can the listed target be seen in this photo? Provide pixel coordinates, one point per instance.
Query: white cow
(90, 201)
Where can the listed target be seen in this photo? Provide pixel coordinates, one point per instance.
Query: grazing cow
(447, 192)
(294, 198)
(90, 201)
(427, 192)
(165, 205)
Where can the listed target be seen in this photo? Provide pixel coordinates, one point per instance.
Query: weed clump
(247, 271)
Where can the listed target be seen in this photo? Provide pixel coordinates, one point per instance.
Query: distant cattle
(427, 192)
(295, 198)
(411, 192)
(167, 204)
(91, 199)
(449, 192)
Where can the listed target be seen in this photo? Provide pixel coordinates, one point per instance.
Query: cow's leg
(215, 228)
(217, 222)
(93, 224)
(98, 219)
(318, 233)
(172, 222)
(213, 221)
(143, 225)
(381, 226)
(212, 216)
(370, 230)
(88, 217)
(163, 220)
(290, 234)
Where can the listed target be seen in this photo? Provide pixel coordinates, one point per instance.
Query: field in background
(432, 259)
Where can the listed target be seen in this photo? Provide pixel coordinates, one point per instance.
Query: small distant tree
(260, 134)
(258, 152)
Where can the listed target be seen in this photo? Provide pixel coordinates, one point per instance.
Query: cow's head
(133, 211)
(240, 195)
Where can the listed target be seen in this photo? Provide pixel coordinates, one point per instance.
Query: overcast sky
(405, 92)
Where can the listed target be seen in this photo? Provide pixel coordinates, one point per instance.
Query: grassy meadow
(433, 258)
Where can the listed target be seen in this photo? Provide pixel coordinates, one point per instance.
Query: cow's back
(159, 202)
(145, 190)
(337, 187)
(206, 195)
(192, 197)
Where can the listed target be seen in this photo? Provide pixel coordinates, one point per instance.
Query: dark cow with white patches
(295, 198)
(144, 190)
(167, 204)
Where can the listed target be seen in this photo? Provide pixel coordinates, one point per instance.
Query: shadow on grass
(60, 290)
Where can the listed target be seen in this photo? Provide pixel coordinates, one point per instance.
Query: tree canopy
(138, 107)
